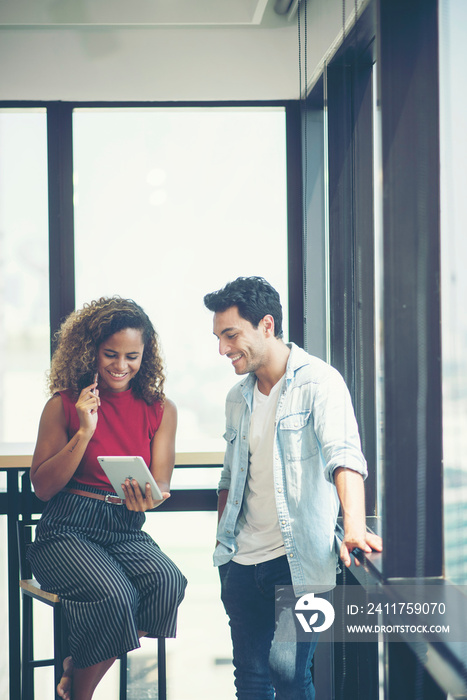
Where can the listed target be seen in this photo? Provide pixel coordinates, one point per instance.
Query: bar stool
(31, 590)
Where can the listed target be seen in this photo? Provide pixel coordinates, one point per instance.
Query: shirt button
(236, 503)
(279, 490)
(291, 555)
(242, 469)
(228, 532)
(283, 522)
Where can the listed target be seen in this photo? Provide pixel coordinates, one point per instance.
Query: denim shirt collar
(297, 359)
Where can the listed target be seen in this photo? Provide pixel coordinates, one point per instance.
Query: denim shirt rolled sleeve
(335, 426)
(315, 433)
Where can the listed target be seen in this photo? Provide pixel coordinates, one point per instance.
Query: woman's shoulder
(54, 409)
(66, 402)
(66, 397)
(169, 408)
(165, 409)
(64, 393)
(162, 406)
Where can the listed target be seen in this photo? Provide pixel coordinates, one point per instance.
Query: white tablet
(118, 469)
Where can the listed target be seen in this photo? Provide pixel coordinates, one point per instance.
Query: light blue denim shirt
(315, 433)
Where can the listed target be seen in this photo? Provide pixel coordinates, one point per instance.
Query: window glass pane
(171, 204)
(199, 660)
(24, 274)
(453, 106)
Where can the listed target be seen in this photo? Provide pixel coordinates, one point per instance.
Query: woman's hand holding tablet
(120, 469)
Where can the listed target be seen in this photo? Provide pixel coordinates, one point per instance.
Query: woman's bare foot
(66, 681)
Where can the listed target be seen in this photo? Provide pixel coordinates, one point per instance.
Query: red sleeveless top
(125, 426)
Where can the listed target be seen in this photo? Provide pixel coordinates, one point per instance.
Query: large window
(24, 273)
(171, 204)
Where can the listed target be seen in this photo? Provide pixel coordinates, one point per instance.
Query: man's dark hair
(254, 298)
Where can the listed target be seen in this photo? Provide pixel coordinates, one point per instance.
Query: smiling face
(119, 359)
(245, 345)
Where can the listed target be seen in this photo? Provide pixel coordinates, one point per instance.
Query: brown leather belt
(108, 498)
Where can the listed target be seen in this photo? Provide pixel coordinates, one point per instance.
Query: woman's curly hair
(74, 362)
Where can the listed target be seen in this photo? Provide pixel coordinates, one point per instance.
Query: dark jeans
(262, 664)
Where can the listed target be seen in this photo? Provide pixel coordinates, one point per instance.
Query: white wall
(147, 64)
(67, 60)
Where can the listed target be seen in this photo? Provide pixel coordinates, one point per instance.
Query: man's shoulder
(308, 366)
(237, 391)
(234, 392)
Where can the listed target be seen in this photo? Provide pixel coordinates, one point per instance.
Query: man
(293, 452)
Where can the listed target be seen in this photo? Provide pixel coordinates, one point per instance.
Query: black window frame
(403, 40)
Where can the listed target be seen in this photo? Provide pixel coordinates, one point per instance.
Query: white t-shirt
(260, 538)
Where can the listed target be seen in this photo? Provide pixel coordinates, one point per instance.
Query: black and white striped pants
(112, 578)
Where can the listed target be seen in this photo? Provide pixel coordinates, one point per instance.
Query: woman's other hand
(87, 408)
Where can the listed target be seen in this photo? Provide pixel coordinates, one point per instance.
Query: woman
(106, 383)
